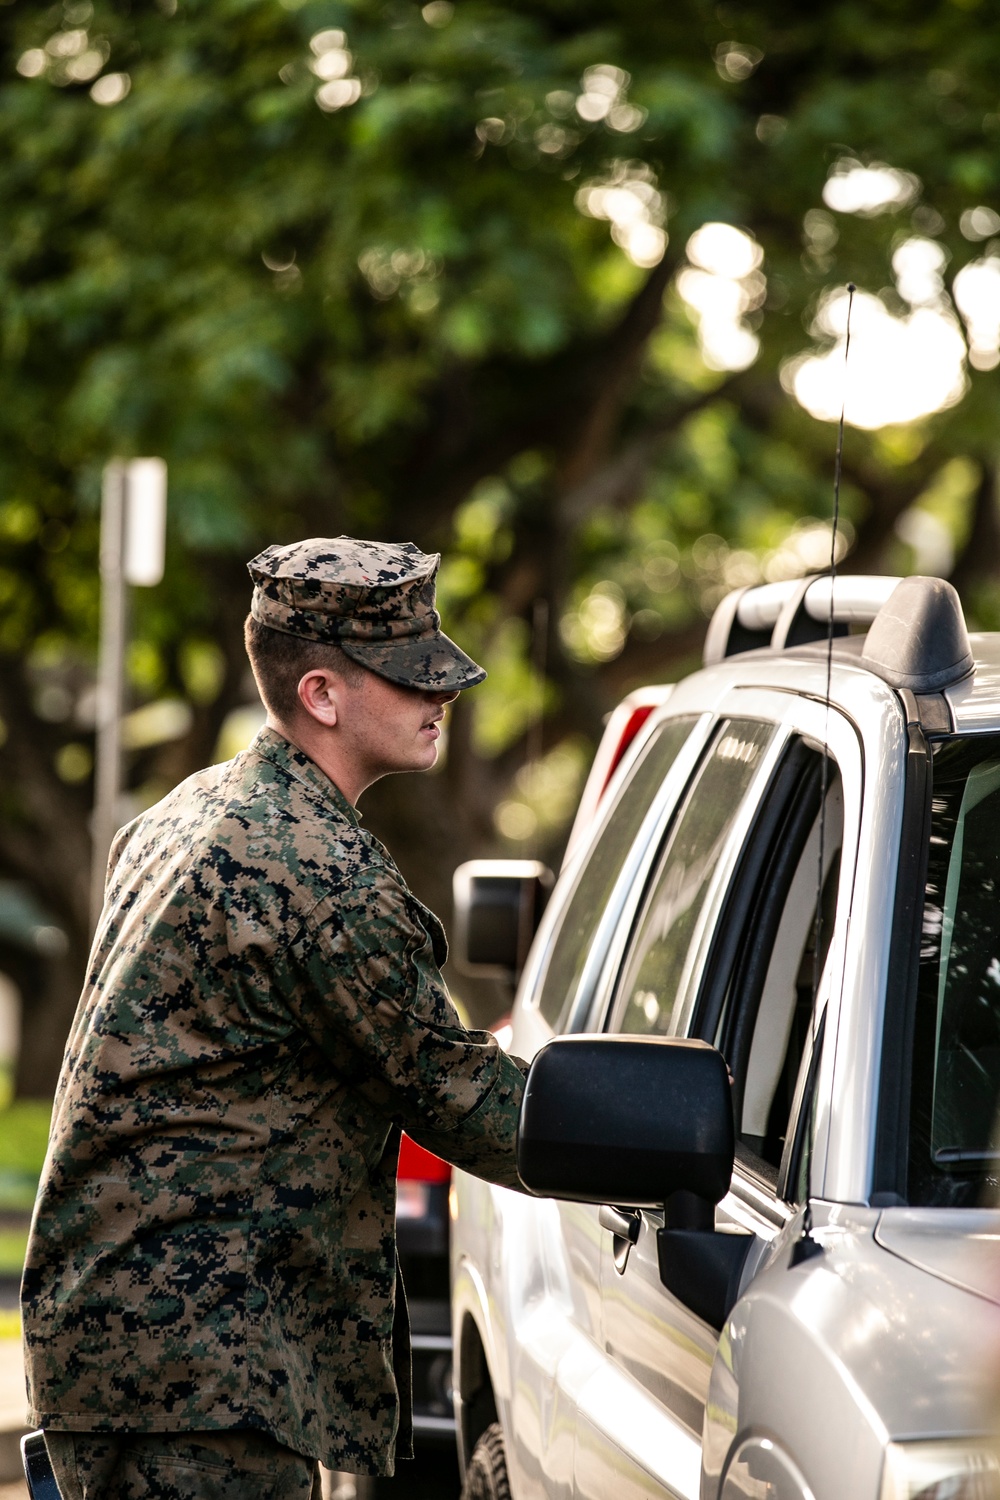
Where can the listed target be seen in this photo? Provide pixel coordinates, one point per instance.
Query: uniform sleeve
(371, 996)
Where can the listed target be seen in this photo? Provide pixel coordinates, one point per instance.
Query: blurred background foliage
(442, 273)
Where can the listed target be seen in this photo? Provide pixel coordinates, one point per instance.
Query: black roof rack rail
(916, 639)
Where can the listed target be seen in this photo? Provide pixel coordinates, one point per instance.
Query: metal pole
(110, 677)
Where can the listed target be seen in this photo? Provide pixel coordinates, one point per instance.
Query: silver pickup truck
(780, 1280)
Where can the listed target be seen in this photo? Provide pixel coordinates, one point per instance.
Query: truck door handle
(624, 1225)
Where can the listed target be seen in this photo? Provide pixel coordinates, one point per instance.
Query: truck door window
(763, 1023)
(601, 869)
(954, 1147)
(670, 912)
(756, 993)
(784, 1005)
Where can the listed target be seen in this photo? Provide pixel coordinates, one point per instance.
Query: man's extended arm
(370, 994)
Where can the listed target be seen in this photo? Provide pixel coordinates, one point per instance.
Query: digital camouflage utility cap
(375, 600)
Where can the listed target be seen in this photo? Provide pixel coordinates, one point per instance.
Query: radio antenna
(806, 1246)
(824, 771)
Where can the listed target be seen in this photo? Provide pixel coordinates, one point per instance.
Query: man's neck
(312, 742)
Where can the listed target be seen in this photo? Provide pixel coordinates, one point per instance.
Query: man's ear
(318, 695)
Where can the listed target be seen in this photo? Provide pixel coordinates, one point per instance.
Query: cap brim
(433, 663)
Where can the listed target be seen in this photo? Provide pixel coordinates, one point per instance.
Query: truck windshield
(954, 1155)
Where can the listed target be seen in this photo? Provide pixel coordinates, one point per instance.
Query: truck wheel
(486, 1476)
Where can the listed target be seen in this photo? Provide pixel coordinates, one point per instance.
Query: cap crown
(373, 599)
(338, 589)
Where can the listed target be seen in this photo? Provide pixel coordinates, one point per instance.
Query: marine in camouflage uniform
(213, 1243)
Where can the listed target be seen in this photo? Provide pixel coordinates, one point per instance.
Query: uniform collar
(273, 746)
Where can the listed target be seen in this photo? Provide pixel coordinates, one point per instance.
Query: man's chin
(425, 760)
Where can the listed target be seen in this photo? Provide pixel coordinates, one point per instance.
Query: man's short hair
(280, 661)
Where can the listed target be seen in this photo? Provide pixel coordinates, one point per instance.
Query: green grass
(24, 1130)
(24, 1133)
(13, 1243)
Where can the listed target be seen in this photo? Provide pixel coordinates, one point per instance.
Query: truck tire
(486, 1476)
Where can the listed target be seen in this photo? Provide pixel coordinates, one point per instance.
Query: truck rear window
(600, 871)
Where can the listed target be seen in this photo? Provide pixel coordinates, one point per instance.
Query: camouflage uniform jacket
(213, 1241)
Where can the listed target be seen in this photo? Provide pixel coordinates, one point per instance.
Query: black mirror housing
(498, 905)
(625, 1119)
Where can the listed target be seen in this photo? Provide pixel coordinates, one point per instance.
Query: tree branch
(610, 377)
(50, 848)
(979, 560)
(616, 483)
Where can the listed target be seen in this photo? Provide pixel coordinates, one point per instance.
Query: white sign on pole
(133, 527)
(145, 521)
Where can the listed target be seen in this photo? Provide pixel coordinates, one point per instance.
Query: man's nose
(446, 695)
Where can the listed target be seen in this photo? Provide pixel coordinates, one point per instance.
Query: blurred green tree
(362, 266)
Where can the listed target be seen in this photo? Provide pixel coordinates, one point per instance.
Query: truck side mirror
(645, 1122)
(498, 905)
(626, 1119)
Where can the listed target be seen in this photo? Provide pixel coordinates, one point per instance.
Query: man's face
(387, 728)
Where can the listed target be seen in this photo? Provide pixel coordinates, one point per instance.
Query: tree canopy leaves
(356, 265)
